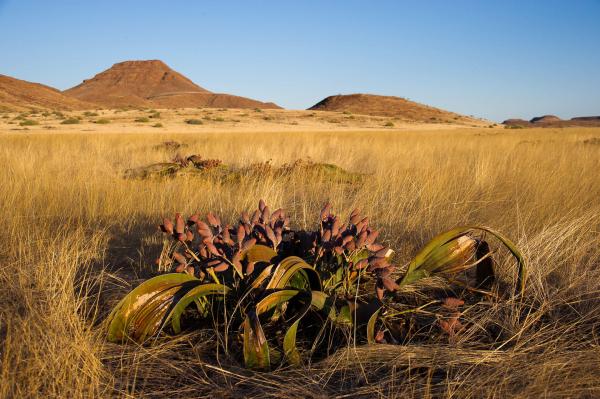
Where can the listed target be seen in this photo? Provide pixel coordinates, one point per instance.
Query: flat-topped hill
(153, 83)
(390, 106)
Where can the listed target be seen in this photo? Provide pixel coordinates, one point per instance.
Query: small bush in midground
(102, 121)
(389, 124)
(143, 119)
(89, 113)
(28, 122)
(70, 121)
(157, 125)
(194, 122)
(258, 283)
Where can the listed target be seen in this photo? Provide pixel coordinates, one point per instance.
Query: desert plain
(77, 234)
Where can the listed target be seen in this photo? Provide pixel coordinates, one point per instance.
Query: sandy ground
(213, 120)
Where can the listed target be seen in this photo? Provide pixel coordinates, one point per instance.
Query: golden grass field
(76, 236)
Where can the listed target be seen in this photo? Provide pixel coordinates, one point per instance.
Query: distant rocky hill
(554, 121)
(16, 94)
(390, 106)
(153, 84)
(545, 119)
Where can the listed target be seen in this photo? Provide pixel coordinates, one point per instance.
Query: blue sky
(490, 59)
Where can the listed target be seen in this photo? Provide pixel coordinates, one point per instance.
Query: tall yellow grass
(75, 236)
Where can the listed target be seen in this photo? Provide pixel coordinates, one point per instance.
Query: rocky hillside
(389, 106)
(20, 95)
(153, 84)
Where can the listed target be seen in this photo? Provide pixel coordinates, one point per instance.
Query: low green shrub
(28, 122)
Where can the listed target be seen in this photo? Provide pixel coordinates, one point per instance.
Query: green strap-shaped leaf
(264, 274)
(345, 315)
(371, 327)
(274, 299)
(292, 268)
(256, 347)
(289, 344)
(281, 268)
(416, 271)
(135, 315)
(192, 295)
(148, 321)
(289, 340)
(323, 302)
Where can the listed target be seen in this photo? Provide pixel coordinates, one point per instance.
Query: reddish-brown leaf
(360, 226)
(241, 233)
(255, 217)
(389, 284)
(250, 268)
(362, 237)
(350, 245)
(374, 247)
(379, 290)
(212, 249)
(271, 234)
(325, 211)
(372, 237)
(452, 303)
(266, 214)
(249, 244)
(213, 220)
(179, 257)
(179, 224)
(193, 219)
(168, 226)
(361, 264)
(245, 218)
(221, 267)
